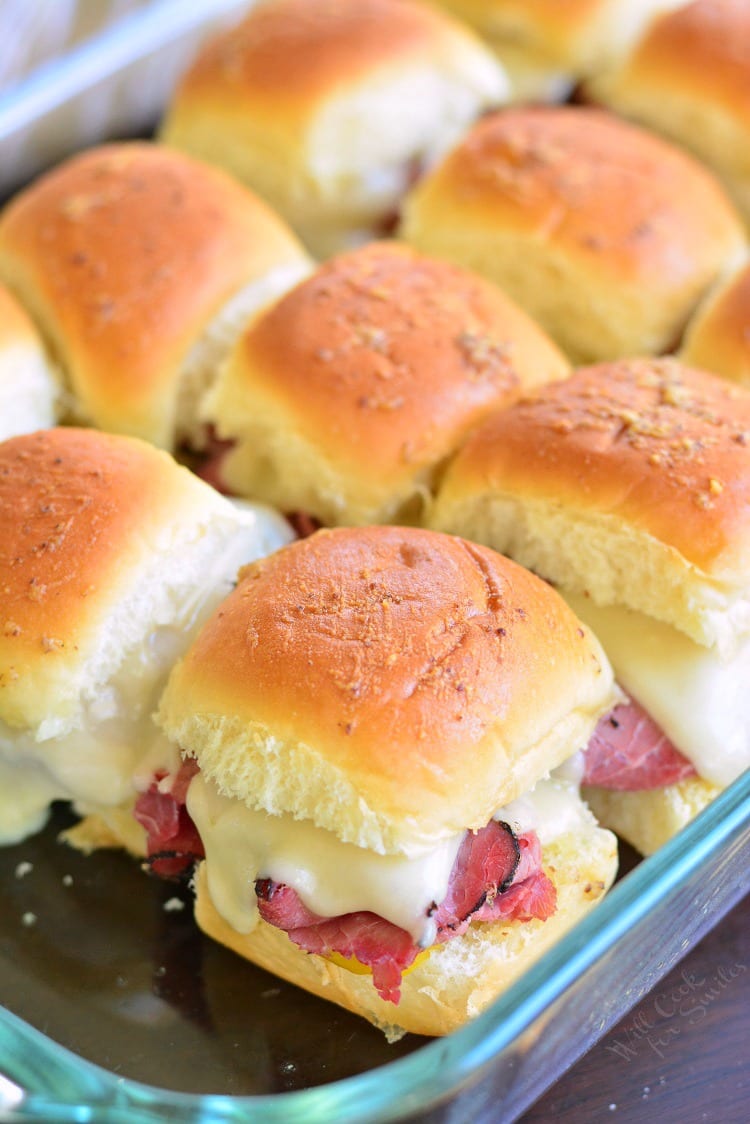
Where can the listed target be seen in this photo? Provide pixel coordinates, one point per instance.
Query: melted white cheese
(330, 877)
(701, 702)
(98, 767)
(26, 793)
(553, 807)
(115, 750)
(333, 878)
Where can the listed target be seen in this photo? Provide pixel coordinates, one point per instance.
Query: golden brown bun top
(122, 255)
(590, 184)
(703, 47)
(77, 509)
(719, 336)
(650, 441)
(295, 53)
(386, 674)
(15, 325)
(389, 351)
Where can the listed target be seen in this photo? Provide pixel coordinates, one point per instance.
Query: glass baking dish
(117, 1009)
(197, 1014)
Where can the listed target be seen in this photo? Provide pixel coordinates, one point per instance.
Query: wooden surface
(683, 1054)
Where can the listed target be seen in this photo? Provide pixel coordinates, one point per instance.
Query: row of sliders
(141, 266)
(149, 276)
(626, 485)
(279, 101)
(368, 749)
(679, 67)
(395, 687)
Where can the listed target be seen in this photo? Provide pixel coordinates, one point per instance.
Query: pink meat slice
(173, 842)
(495, 876)
(630, 753)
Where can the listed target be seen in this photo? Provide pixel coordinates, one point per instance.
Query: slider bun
(393, 685)
(108, 551)
(607, 235)
(650, 818)
(28, 386)
(689, 78)
(279, 101)
(458, 979)
(629, 480)
(546, 45)
(346, 396)
(718, 336)
(128, 257)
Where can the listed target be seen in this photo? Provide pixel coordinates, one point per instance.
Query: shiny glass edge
(60, 1086)
(128, 39)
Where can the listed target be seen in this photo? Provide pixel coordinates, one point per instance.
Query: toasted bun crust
(100, 538)
(28, 386)
(718, 336)
(459, 979)
(123, 255)
(630, 480)
(392, 685)
(413, 353)
(647, 820)
(607, 235)
(279, 101)
(689, 78)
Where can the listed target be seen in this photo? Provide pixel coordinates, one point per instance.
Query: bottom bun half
(649, 818)
(458, 979)
(107, 828)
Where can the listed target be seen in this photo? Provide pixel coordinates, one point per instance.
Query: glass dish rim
(438, 1069)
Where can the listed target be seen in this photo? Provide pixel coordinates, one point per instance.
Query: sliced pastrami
(173, 843)
(485, 866)
(484, 885)
(630, 753)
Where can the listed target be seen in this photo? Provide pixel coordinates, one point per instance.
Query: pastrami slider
(382, 350)
(628, 487)
(139, 267)
(606, 234)
(373, 715)
(110, 557)
(329, 110)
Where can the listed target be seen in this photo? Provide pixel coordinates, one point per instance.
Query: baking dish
(89, 948)
(489, 1071)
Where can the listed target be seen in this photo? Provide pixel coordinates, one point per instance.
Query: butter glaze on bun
(279, 101)
(139, 266)
(346, 396)
(629, 480)
(606, 234)
(718, 336)
(393, 685)
(111, 554)
(29, 389)
(688, 77)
